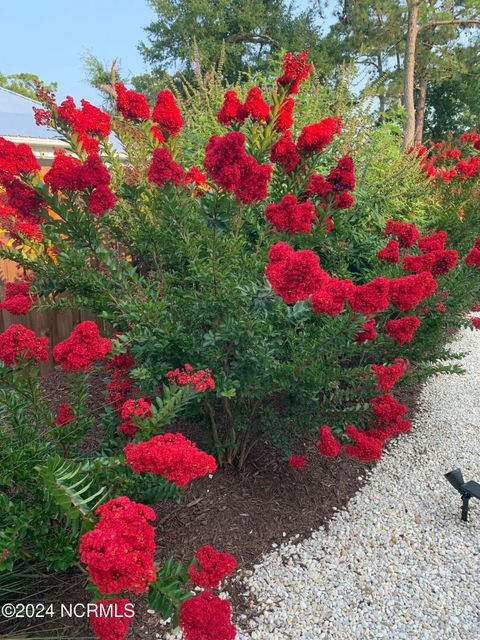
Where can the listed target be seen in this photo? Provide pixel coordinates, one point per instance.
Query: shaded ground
(243, 513)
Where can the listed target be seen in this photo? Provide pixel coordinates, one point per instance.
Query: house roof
(18, 125)
(16, 116)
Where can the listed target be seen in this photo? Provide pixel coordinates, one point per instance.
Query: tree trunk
(381, 89)
(420, 117)
(409, 74)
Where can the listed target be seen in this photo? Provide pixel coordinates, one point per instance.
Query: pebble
(397, 562)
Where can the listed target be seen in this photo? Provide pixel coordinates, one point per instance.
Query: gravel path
(398, 562)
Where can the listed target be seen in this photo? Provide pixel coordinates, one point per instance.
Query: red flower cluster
(164, 169)
(201, 380)
(234, 170)
(387, 409)
(328, 445)
(297, 462)
(114, 625)
(368, 332)
(85, 122)
(473, 256)
(390, 252)
(284, 152)
(18, 343)
(196, 177)
(18, 300)
(255, 106)
(167, 114)
(211, 568)
(475, 322)
(206, 617)
(132, 105)
(406, 292)
(402, 330)
(434, 242)
(120, 383)
(331, 296)
(366, 447)
(16, 159)
(291, 216)
(81, 348)
(232, 109)
(293, 275)
(406, 232)
(64, 415)
(100, 200)
(371, 297)
(445, 162)
(387, 376)
(295, 69)
(139, 409)
(342, 178)
(23, 200)
(284, 119)
(315, 137)
(119, 551)
(170, 455)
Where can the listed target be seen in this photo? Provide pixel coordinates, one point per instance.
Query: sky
(50, 38)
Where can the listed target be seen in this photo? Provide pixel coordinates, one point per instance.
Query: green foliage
(24, 83)
(166, 594)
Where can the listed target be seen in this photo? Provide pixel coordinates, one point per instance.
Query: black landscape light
(467, 490)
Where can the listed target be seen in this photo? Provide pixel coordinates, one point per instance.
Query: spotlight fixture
(470, 489)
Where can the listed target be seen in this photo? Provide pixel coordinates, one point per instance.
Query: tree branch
(441, 23)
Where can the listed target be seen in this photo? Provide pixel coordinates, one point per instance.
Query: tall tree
(190, 32)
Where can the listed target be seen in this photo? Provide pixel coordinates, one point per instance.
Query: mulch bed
(242, 512)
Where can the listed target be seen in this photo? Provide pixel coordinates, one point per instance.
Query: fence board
(55, 324)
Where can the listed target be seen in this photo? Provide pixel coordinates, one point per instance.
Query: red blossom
(170, 455)
(255, 106)
(331, 296)
(366, 447)
(18, 300)
(434, 242)
(132, 105)
(342, 178)
(18, 343)
(200, 380)
(406, 232)
(64, 415)
(370, 297)
(211, 568)
(314, 138)
(100, 200)
(293, 275)
(163, 168)
(138, 408)
(390, 252)
(297, 462)
(234, 170)
(473, 258)
(387, 376)
(206, 617)
(167, 114)
(328, 445)
(475, 322)
(232, 109)
(402, 330)
(119, 550)
(295, 69)
(111, 619)
(284, 119)
(368, 332)
(291, 216)
(83, 346)
(16, 159)
(284, 153)
(406, 292)
(387, 409)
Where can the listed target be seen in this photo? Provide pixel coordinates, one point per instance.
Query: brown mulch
(241, 512)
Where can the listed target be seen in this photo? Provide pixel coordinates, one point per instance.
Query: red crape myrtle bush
(240, 266)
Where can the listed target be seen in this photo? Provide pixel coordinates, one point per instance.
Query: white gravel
(397, 563)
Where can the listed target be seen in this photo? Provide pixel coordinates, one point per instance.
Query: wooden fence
(54, 324)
